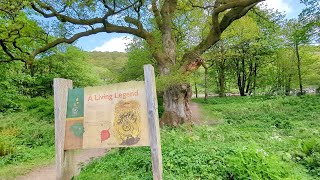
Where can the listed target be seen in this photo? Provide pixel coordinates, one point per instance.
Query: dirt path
(48, 172)
(196, 114)
(200, 118)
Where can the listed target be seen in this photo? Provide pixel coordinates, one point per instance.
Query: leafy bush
(26, 132)
(7, 145)
(8, 102)
(42, 107)
(309, 155)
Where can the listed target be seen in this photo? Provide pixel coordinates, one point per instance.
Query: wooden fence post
(65, 164)
(153, 118)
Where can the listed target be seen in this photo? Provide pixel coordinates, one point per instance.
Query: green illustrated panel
(75, 106)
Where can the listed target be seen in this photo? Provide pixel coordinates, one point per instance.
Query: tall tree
(242, 38)
(217, 57)
(297, 35)
(152, 20)
(285, 66)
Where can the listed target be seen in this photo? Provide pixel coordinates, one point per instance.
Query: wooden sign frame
(65, 163)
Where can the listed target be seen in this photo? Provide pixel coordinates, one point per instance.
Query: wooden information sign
(107, 116)
(117, 115)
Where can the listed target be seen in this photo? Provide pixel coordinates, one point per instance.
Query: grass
(26, 137)
(244, 138)
(287, 127)
(255, 138)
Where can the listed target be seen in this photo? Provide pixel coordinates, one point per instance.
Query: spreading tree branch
(62, 17)
(8, 53)
(235, 10)
(164, 14)
(66, 40)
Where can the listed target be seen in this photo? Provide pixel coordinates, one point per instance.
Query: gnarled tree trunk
(176, 102)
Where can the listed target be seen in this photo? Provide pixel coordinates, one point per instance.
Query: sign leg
(65, 164)
(153, 118)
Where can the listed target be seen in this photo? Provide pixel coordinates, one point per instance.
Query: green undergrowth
(256, 138)
(26, 137)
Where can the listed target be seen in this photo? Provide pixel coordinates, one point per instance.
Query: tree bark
(176, 102)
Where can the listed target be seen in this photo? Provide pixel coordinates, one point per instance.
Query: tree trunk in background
(250, 78)
(299, 67)
(255, 78)
(196, 89)
(241, 85)
(205, 83)
(241, 77)
(242, 93)
(221, 79)
(176, 102)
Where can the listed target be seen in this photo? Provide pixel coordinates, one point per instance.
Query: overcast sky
(117, 42)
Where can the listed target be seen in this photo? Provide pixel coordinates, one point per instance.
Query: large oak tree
(152, 20)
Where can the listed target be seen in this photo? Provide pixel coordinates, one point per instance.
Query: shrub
(6, 146)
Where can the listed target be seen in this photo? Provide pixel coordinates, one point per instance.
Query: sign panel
(107, 116)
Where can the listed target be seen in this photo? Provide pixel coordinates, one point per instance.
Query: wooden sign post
(152, 105)
(65, 166)
(117, 115)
